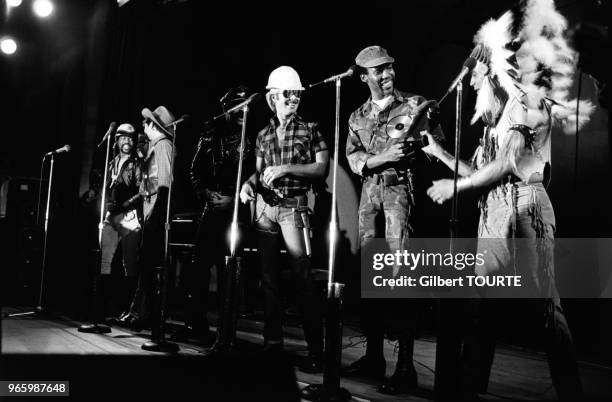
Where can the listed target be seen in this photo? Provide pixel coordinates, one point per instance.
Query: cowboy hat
(161, 117)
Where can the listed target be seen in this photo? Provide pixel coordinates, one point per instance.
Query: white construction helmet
(284, 77)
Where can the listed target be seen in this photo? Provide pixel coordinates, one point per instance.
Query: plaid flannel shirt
(300, 144)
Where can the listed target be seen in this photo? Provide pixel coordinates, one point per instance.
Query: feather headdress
(492, 39)
(536, 65)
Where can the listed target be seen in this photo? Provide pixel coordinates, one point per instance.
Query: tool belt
(291, 200)
(298, 202)
(391, 178)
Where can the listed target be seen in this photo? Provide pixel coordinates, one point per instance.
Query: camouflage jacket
(368, 130)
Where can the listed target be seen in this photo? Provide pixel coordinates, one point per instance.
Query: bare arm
(435, 149)
(247, 191)
(313, 170)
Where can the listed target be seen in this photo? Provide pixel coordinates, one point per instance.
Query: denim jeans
(130, 244)
(523, 213)
(271, 223)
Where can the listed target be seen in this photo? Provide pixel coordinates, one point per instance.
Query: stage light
(42, 8)
(13, 3)
(233, 238)
(8, 46)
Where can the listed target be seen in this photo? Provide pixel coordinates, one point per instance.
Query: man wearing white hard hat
(291, 154)
(121, 225)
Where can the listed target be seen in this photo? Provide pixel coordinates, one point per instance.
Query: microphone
(468, 66)
(65, 148)
(111, 128)
(242, 104)
(175, 122)
(347, 73)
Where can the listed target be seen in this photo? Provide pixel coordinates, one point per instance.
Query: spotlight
(13, 3)
(8, 46)
(42, 8)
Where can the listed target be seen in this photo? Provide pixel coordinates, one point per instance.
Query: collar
(130, 157)
(396, 96)
(274, 122)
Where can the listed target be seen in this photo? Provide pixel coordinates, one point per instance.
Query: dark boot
(127, 288)
(268, 245)
(561, 356)
(309, 303)
(130, 284)
(404, 378)
(373, 364)
(100, 283)
(367, 366)
(228, 307)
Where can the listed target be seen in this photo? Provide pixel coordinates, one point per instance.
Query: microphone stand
(449, 344)
(239, 106)
(233, 264)
(97, 327)
(158, 343)
(39, 307)
(330, 390)
(454, 212)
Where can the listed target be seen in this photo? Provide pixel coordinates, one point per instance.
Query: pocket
(267, 154)
(301, 149)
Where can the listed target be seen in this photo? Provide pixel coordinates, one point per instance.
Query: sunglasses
(288, 93)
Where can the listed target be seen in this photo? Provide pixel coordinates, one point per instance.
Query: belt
(388, 179)
(291, 199)
(293, 202)
(514, 180)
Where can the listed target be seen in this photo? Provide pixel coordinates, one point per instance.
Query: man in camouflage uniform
(383, 160)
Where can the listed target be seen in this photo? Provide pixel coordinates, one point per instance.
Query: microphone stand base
(318, 392)
(38, 310)
(94, 329)
(224, 350)
(160, 346)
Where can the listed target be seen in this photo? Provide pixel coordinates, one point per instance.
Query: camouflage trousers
(386, 208)
(389, 203)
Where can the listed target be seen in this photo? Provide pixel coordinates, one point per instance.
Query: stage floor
(517, 374)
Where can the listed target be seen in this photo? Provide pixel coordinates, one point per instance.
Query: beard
(126, 149)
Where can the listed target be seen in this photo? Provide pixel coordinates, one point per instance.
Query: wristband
(465, 183)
